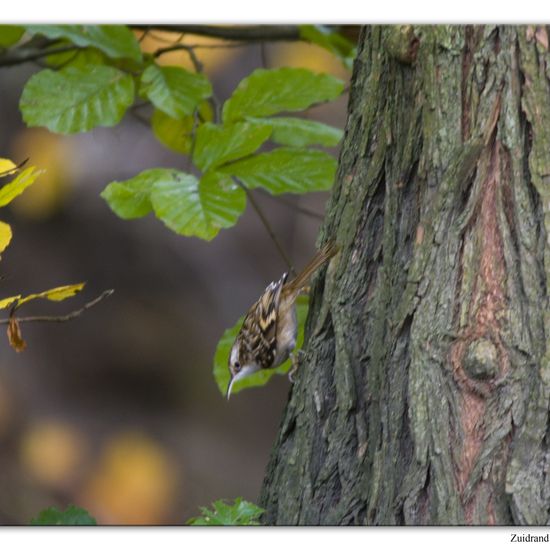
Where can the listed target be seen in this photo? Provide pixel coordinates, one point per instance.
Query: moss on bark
(441, 208)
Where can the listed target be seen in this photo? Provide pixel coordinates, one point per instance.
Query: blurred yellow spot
(306, 56)
(52, 452)
(134, 483)
(49, 152)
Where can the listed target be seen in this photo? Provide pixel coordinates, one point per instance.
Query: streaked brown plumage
(268, 333)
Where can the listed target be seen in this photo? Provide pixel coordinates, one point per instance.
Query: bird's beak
(229, 386)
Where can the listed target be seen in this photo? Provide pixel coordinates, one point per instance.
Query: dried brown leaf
(14, 335)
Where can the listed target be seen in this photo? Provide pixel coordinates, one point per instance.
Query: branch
(61, 318)
(248, 33)
(37, 47)
(22, 54)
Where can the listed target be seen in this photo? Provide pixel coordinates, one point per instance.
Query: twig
(140, 105)
(11, 171)
(189, 49)
(143, 36)
(61, 318)
(249, 33)
(263, 55)
(267, 226)
(158, 38)
(193, 138)
(224, 45)
(140, 118)
(297, 207)
(217, 106)
(22, 55)
(134, 111)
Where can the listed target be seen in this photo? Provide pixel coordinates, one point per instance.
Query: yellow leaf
(55, 294)
(5, 236)
(6, 302)
(7, 167)
(18, 185)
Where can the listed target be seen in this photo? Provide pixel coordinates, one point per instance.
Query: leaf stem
(190, 51)
(297, 207)
(267, 226)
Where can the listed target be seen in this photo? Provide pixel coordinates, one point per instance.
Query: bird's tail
(323, 256)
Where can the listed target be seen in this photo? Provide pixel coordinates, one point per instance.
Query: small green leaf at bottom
(240, 512)
(71, 516)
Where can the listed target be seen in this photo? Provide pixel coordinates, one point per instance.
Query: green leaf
(76, 99)
(240, 512)
(331, 40)
(285, 171)
(197, 208)
(173, 133)
(71, 516)
(216, 145)
(10, 35)
(117, 41)
(174, 90)
(221, 357)
(19, 184)
(300, 132)
(131, 198)
(267, 92)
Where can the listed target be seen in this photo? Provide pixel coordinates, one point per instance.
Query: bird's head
(240, 366)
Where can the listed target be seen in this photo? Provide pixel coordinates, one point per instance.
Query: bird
(267, 336)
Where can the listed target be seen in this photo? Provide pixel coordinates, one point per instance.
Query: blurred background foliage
(117, 411)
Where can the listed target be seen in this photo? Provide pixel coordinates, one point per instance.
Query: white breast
(287, 328)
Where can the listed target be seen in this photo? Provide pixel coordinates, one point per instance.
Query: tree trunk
(423, 391)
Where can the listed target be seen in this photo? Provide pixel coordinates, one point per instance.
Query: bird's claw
(295, 359)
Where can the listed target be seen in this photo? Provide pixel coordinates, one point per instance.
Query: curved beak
(229, 386)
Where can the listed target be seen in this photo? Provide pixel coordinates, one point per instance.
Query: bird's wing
(260, 325)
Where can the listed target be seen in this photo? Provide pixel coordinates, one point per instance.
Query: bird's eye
(237, 366)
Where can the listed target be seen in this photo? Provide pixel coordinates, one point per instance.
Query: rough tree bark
(423, 394)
